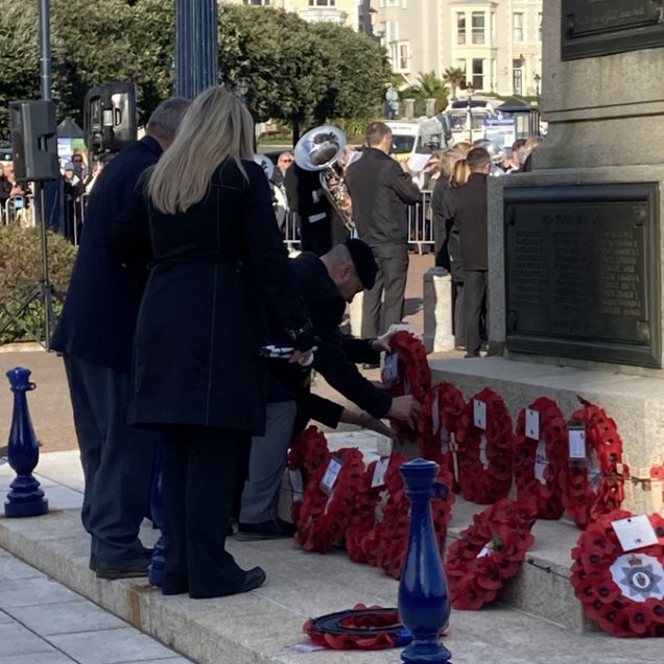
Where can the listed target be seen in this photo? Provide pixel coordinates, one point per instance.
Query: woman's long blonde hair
(216, 127)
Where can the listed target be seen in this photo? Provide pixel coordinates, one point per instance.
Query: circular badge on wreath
(489, 552)
(485, 447)
(540, 456)
(621, 591)
(592, 483)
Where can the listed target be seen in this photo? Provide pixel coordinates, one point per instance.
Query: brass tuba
(321, 149)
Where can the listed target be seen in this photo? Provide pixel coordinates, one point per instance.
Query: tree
(19, 56)
(455, 77)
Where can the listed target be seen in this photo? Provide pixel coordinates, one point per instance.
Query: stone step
(542, 588)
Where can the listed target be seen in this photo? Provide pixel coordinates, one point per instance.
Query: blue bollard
(423, 600)
(158, 561)
(25, 497)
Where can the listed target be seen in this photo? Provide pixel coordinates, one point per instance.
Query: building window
(539, 25)
(478, 28)
(391, 31)
(461, 29)
(478, 74)
(322, 3)
(258, 2)
(517, 76)
(517, 27)
(400, 56)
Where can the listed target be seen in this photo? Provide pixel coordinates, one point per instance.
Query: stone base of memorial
(575, 258)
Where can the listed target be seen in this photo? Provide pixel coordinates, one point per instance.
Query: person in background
(284, 160)
(381, 191)
(219, 268)
(80, 167)
(466, 206)
(95, 336)
(513, 163)
(526, 152)
(72, 190)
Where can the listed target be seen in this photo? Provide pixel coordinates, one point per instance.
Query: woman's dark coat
(202, 319)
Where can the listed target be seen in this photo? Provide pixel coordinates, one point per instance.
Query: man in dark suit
(327, 284)
(95, 336)
(467, 208)
(381, 192)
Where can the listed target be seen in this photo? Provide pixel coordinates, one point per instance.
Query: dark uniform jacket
(202, 318)
(337, 354)
(381, 192)
(315, 212)
(467, 207)
(99, 315)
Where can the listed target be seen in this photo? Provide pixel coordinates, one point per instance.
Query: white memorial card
(532, 424)
(331, 476)
(577, 442)
(479, 414)
(486, 551)
(379, 472)
(391, 368)
(634, 532)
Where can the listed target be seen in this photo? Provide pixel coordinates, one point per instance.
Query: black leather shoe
(267, 530)
(147, 552)
(253, 578)
(123, 569)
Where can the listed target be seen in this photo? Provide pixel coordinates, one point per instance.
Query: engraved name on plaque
(582, 271)
(603, 27)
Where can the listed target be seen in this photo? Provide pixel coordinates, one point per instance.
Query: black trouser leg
(371, 308)
(394, 266)
(474, 290)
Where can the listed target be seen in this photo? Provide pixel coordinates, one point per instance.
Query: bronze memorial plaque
(582, 266)
(602, 27)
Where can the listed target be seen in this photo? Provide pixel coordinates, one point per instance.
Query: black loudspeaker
(34, 140)
(109, 116)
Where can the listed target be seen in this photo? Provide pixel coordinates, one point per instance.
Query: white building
(342, 12)
(497, 43)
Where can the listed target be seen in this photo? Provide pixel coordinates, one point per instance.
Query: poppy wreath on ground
(622, 592)
(442, 407)
(361, 628)
(412, 375)
(390, 533)
(587, 498)
(324, 517)
(485, 481)
(539, 462)
(360, 535)
(489, 552)
(308, 452)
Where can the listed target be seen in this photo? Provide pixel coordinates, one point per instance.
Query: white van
(410, 137)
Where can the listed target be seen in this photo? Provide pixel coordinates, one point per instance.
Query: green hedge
(21, 272)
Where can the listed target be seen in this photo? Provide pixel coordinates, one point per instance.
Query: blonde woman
(198, 374)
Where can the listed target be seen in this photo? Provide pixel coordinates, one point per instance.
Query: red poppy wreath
(442, 407)
(540, 455)
(361, 628)
(593, 486)
(623, 592)
(406, 371)
(307, 453)
(489, 552)
(485, 453)
(329, 501)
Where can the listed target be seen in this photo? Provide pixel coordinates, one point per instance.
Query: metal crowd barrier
(21, 210)
(18, 210)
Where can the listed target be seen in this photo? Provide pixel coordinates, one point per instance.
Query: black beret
(364, 261)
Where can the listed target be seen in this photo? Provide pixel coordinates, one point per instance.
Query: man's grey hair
(165, 119)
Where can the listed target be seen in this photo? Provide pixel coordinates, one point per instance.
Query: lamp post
(537, 78)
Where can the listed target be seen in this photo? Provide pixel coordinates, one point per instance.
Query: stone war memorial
(575, 264)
